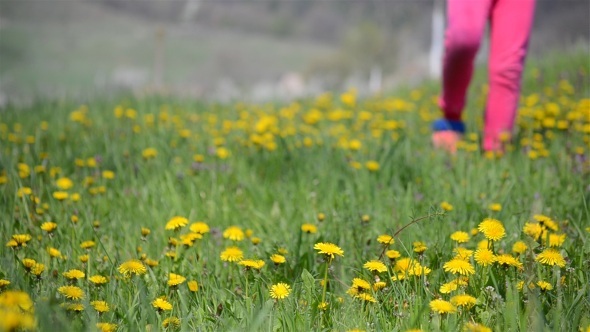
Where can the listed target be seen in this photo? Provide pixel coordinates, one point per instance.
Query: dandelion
(171, 322)
(460, 237)
(323, 306)
(484, 257)
(109, 175)
(199, 227)
(76, 307)
(49, 226)
(161, 304)
(232, 254)
(360, 285)
(233, 233)
(193, 286)
(84, 258)
(60, 195)
(546, 222)
(385, 239)
(519, 247)
(507, 260)
(375, 266)
(130, 267)
(21, 239)
(175, 279)
(71, 292)
(462, 253)
(533, 230)
(372, 165)
(145, 232)
(446, 206)
(98, 280)
(453, 285)
(492, 229)
(321, 217)
(106, 327)
(4, 283)
(37, 269)
(280, 291)
(100, 306)
(442, 306)
(328, 249)
(366, 297)
(54, 253)
(87, 244)
(463, 300)
(556, 240)
(459, 266)
(149, 153)
(392, 254)
(309, 228)
(74, 274)
(64, 183)
(176, 223)
(544, 285)
(419, 247)
(551, 257)
(496, 207)
(252, 264)
(365, 218)
(278, 259)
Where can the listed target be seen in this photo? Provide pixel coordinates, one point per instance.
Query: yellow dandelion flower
(360, 285)
(379, 285)
(446, 206)
(21, 239)
(98, 280)
(556, 240)
(199, 227)
(145, 231)
(551, 257)
(64, 183)
(74, 274)
(84, 258)
(87, 244)
(463, 300)
(484, 257)
(106, 327)
(53, 252)
(496, 207)
(365, 218)
(175, 279)
(37, 269)
(366, 297)
(442, 306)
(280, 291)
(309, 228)
(193, 285)
(419, 247)
(321, 216)
(4, 283)
(71, 292)
(161, 304)
(372, 165)
(109, 175)
(232, 254)
(100, 306)
(130, 267)
(519, 247)
(76, 307)
(507, 260)
(492, 229)
(544, 285)
(171, 322)
(60, 195)
(462, 253)
(28, 263)
(233, 233)
(278, 259)
(375, 266)
(149, 153)
(392, 254)
(323, 306)
(460, 237)
(176, 223)
(151, 262)
(328, 249)
(533, 230)
(459, 266)
(252, 264)
(49, 226)
(385, 239)
(546, 222)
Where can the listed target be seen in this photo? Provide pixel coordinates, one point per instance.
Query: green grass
(295, 171)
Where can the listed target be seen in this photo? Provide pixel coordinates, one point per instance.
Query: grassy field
(328, 214)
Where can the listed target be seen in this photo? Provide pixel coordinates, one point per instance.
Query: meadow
(331, 213)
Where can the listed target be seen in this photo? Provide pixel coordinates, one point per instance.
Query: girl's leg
(511, 22)
(466, 22)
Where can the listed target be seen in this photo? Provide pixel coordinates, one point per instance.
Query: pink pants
(510, 26)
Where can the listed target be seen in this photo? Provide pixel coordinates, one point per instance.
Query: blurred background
(249, 49)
